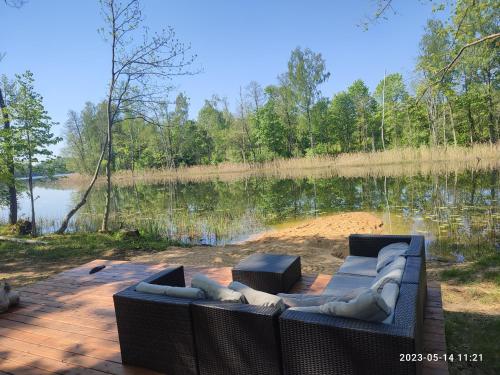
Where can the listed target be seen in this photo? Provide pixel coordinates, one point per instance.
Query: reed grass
(390, 163)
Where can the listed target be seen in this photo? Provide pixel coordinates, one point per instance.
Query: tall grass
(393, 163)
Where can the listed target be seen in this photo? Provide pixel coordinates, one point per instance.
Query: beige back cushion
(256, 297)
(171, 291)
(393, 272)
(368, 306)
(390, 252)
(214, 290)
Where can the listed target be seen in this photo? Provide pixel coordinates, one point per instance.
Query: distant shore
(389, 163)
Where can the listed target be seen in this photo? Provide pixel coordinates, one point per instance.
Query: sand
(321, 242)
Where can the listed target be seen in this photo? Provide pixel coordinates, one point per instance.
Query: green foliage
(292, 118)
(306, 71)
(343, 113)
(32, 125)
(271, 132)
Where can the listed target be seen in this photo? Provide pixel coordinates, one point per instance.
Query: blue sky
(236, 42)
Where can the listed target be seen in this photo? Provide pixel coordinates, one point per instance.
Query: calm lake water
(462, 208)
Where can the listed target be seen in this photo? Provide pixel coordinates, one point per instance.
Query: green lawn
(471, 299)
(24, 263)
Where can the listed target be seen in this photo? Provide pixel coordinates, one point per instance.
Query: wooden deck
(66, 324)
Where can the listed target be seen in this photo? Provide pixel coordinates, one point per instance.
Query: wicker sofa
(316, 344)
(156, 331)
(180, 336)
(185, 336)
(235, 338)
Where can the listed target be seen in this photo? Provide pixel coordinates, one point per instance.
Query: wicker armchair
(317, 344)
(234, 338)
(155, 331)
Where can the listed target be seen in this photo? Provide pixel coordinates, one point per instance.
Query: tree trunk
(445, 139)
(30, 186)
(9, 161)
(492, 124)
(111, 119)
(311, 137)
(452, 120)
(383, 116)
(470, 118)
(105, 219)
(70, 214)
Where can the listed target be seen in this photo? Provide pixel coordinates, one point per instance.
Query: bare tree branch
(460, 23)
(141, 69)
(382, 7)
(454, 61)
(15, 3)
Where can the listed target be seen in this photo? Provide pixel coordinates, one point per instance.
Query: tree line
(292, 117)
(451, 100)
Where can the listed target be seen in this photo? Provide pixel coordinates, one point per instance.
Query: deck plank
(66, 324)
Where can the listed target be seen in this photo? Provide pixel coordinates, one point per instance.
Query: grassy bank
(471, 301)
(395, 162)
(24, 263)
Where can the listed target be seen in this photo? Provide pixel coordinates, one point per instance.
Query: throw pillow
(256, 297)
(214, 290)
(171, 291)
(368, 306)
(390, 252)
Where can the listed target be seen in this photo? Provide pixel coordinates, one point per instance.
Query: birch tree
(32, 131)
(142, 65)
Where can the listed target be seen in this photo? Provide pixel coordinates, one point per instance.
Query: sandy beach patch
(321, 242)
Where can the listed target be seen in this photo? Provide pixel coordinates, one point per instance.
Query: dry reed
(390, 163)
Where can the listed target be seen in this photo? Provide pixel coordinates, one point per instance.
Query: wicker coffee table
(271, 273)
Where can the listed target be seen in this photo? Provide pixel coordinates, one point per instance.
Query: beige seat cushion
(171, 291)
(214, 291)
(256, 297)
(303, 300)
(390, 252)
(342, 284)
(362, 266)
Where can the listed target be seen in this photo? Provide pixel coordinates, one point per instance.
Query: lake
(459, 207)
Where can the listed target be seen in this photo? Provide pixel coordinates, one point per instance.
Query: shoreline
(389, 163)
(322, 244)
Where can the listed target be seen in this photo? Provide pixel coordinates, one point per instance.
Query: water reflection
(457, 207)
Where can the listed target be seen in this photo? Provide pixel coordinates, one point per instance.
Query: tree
(343, 114)
(212, 120)
(270, 130)
(306, 71)
(288, 111)
(473, 21)
(32, 130)
(393, 89)
(85, 134)
(434, 53)
(7, 165)
(365, 107)
(140, 73)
